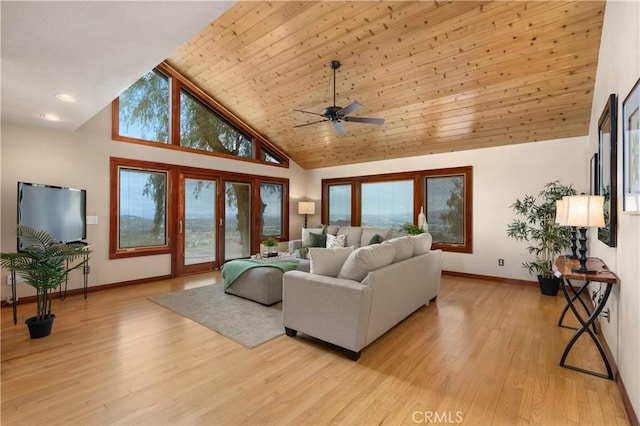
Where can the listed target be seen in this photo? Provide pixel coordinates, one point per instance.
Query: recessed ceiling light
(66, 98)
(51, 117)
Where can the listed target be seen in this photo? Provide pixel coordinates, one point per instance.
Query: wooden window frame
(172, 198)
(419, 178)
(177, 83)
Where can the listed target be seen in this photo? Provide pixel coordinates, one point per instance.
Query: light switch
(92, 220)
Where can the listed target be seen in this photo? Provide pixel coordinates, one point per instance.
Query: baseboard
(91, 289)
(489, 278)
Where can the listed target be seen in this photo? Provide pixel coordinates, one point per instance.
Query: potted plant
(43, 264)
(535, 224)
(270, 243)
(411, 229)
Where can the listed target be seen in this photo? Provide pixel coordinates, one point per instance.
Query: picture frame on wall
(594, 181)
(607, 155)
(631, 151)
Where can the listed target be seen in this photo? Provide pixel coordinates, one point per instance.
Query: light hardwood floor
(484, 353)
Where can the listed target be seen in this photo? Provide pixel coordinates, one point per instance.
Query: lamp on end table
(306, 208)
(584, 211)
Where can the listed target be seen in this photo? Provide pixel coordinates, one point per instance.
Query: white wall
(500, 176)
(81, 159)
(618, 70)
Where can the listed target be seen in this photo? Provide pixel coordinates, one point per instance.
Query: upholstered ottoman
(262, 284)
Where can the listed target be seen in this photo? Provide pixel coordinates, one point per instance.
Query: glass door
(237, 220)
(197, 224)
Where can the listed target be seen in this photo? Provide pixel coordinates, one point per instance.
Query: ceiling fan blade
(309, 112)
(365, 120)
(339, 128)
(313, 122)
(354, 106)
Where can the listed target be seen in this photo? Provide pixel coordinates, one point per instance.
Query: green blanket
(234, 268)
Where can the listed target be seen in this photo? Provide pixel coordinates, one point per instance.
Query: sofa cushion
(328, 261)
(353, 235)
(365, 259)
(335, 240)
(306, 232)
(368, 233)
(404, 247)
(332, 229)
(421, 243)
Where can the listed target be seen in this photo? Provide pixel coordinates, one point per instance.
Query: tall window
(339, 204)
(166, 108)
(387, 204)
(445, 208)
(142, 204)
(271, 197)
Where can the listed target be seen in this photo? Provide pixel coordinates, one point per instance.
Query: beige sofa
(359, 294)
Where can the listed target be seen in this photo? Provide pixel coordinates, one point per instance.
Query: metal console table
(563, 268)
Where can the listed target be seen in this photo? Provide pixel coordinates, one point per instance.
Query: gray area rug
(246, 322)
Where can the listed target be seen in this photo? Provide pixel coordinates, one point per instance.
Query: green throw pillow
(303, 252)
(376, 239)
(318, 240)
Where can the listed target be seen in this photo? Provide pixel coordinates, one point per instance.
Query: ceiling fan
(336, 114)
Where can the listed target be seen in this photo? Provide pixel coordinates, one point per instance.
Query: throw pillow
(422, 243)
(404, 247)
(306, 235)
(335, 240)
(365, 259)
(303, 252)
(368, 233)
(318, 240)
(328, 261)
(376, 239)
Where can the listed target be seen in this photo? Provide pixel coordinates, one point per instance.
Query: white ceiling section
(92, 50)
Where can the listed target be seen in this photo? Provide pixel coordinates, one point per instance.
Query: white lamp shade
(561, 211)
(306, 207)
(585, 211)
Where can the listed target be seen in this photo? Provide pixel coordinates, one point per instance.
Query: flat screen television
(58, 210)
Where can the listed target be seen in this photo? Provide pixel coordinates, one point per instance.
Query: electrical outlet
(9, 279)
(500, 262)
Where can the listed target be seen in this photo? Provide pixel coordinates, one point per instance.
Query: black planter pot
(549, 286)
(40, 328)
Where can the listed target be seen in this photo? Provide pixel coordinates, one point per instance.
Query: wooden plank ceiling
(445, 76)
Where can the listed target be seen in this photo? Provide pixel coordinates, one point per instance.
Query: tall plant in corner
(535, 224)
(44, 264)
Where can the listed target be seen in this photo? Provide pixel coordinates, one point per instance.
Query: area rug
(241, 320)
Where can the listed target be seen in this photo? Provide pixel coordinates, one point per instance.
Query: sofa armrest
(294, 245)
(331, 309)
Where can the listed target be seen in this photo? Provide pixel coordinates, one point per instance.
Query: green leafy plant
(270, 242)
(535, 224)
(44, 264)
(411, 229)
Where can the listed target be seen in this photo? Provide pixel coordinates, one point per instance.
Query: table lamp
(561, 219)
(305, 208)
(584, 211)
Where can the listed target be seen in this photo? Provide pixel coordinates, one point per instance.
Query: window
(339, 204)
(393, 199)
(144, 109)
(141, 212)
(201, 128)
(447, 201)
(387, 204)
(271, 203)
(166, 110)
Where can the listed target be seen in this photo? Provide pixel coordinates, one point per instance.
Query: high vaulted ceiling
(446, 76)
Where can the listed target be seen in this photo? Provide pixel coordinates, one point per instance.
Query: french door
(214, 222)
(198, 224)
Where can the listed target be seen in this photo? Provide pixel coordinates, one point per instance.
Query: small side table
(563, 270)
